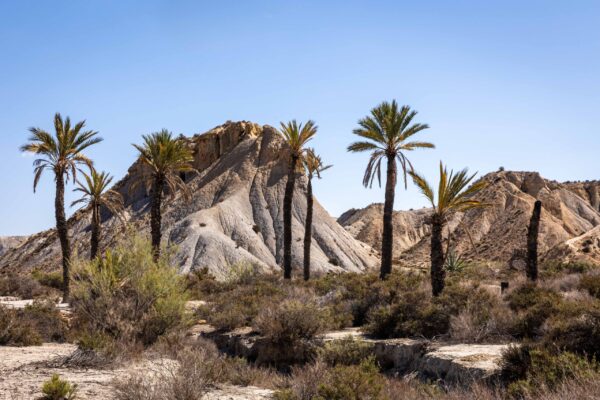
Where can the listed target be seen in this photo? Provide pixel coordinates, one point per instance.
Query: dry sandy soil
(24, 369)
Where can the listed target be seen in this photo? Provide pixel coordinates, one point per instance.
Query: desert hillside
(571, 211)
(8, 242)
(235, 213)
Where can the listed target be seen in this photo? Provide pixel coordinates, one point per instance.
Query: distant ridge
(571, 210)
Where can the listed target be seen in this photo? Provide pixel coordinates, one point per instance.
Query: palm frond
(386, 130)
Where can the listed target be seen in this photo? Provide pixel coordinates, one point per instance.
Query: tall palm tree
(95, 194)
(62, 153)
(164, 158)
(314, 167)
(387, 131)
(454, 194)
(296, 136)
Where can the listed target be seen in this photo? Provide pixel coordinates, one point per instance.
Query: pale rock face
(235, 214)
(569, 210)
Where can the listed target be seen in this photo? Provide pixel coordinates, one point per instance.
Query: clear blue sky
(501, 83)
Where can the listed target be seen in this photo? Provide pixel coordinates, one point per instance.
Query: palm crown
(297, 135)
(454, 192)
(165, 157)
(61, 153)
(314, 164)
(386, 131)
(95, 192)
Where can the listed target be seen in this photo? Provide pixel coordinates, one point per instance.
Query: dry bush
(21, 286)
(188, 372)
(127, 297)
(36, 323)
(289, 329)
(347, 351)
(591, 284)
(14, 332)
(354, 382)
(484, 319)
(236, 306)
(532, 371)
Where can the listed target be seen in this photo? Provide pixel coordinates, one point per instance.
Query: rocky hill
(570, 210)
(235, 213)
(8, 242)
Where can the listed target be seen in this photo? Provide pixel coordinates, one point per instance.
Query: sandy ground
(24, 369)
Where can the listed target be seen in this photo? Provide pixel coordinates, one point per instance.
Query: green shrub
(534, 305)
(238, 306)
(576, 333)
(530, 370)
(411, 314)
(355, 382)
(346, 351)
(127, 296)
(200, 284)
(558, 268)
(243, 273)
(591, 284)
(530, 295)
(50, 279)
(58, 389)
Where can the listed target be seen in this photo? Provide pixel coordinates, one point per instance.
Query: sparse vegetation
(58, 389)
(128, 297)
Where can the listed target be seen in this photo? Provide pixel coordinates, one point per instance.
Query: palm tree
(62, 153)
(314, 167)
(95, 194)
(164, 158)
(454, 194)
(387, 131)
(532, 242)
(296, 136)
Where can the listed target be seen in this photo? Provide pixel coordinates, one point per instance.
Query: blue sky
(501, 83)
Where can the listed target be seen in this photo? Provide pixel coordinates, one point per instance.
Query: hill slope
(235, 213)
(569, 211)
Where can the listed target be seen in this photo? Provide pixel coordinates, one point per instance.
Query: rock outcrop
(235, 213)
(569, 211)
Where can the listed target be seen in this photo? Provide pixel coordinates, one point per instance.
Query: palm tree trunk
(387, 240)
(63, 233)
(532, 242)
(287, 218)
(156, 216)
(438, 274)
(95, 240)
(308, 230)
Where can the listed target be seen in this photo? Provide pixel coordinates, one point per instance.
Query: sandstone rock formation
(235, 213)
(569, 210)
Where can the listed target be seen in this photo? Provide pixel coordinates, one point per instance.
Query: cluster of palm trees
(163, 159)
(386, 133)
